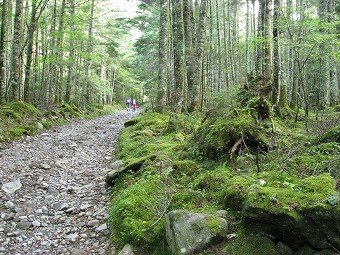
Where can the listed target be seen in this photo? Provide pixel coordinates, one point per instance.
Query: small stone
(93, 223)
(39, 126)
(262, 182)
(9, 204)
(72, 237)
(11, 187)
(45, 166)
(83, 207)
(39, 211)
(24, 225)
(36, 223)
(101, 227)
(79, 252)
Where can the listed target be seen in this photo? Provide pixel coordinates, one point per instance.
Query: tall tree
(179, 57)
(163, 56)
(3, 45)
(89, 49)
(194, 93)
(16, 55)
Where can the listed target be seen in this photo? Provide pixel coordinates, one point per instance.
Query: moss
(332, 135)
(183, 167)
(24, 108)
(212, 181)
(69, 111)
(11, 114)
(293, 194)
(235, 191)
(135, 213)
(218, 135)
(246, 244)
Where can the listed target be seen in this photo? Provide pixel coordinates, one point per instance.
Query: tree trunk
(163, 56)
(194, 94)
(86, 86)
(15, 62)
(3, 45)
(72, 61)
(179, 51)
(29, 55)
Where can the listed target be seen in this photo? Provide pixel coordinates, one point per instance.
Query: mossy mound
(246, 244)
(222, 136)
(18, 119)
(295, 211)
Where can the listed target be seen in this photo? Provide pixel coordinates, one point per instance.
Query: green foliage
(332, 135)
(18, 119)
(178, 144)
(135, 212)
(11, 114)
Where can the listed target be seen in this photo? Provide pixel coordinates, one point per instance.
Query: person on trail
(128, 104)
(134, 104)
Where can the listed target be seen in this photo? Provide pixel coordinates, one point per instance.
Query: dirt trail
(53, 198)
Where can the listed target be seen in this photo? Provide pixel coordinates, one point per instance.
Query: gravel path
(53, 198)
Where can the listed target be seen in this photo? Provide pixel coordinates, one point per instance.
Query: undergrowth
(18, 119)
(204, 163)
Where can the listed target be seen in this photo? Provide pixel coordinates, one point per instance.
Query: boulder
(189, 233)
(318, 227)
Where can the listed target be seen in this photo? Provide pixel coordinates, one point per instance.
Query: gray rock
(101, 227)
(11, 187)
(189, 233)
(79, 252)
(284, 249)
(9, 204)
(45, 166)
(39, 126)
(24, 225)
(36, 223)
(127, 250)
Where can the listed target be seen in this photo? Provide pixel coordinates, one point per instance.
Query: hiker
(128, 104)
(134, 104)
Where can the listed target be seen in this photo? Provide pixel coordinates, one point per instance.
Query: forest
(240, 113)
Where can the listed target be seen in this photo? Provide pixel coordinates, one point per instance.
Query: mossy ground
(194, 169)
(18, 119)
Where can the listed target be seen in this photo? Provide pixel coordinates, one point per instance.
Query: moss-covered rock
(190, 233)
(295, 211)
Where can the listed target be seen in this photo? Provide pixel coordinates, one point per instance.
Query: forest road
(53, 198)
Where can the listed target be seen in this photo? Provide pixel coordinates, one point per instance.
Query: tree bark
(3, 45)
(163, 56)
(15, 62)
(194, 94)
(179, 56)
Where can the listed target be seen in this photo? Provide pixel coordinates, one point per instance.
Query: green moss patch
(136, 212)
(247, 244)
(293, 194)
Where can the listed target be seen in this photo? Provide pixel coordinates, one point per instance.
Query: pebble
(57, 203)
